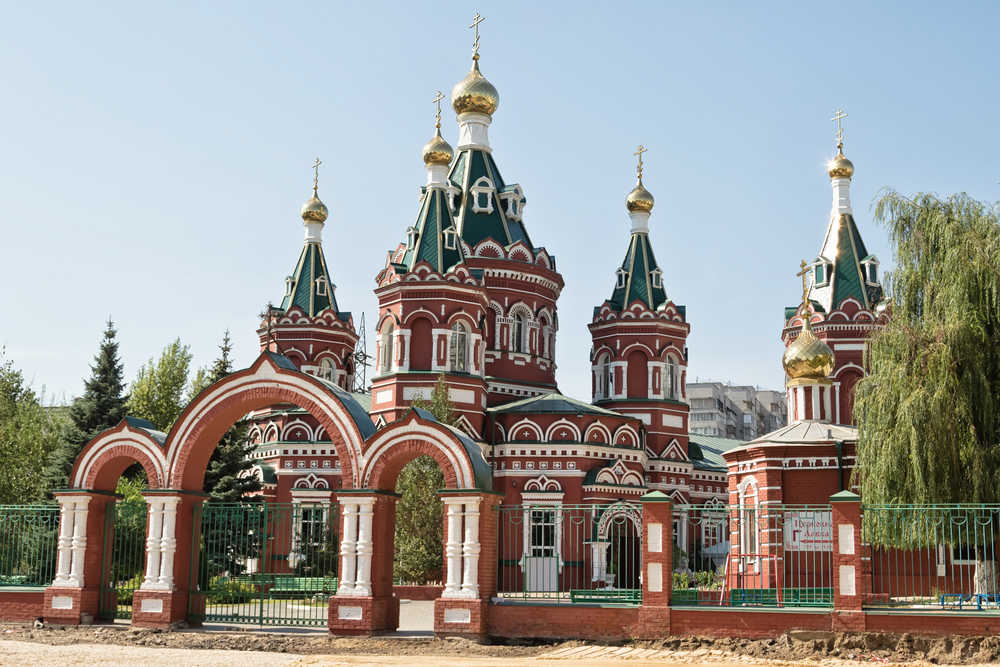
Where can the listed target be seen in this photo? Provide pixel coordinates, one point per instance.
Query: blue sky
(153, 158)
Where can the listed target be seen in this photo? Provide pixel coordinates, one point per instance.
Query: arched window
(327, 369)
(458, 351)
(602, 379)
(748, 519)
(673, 380)
(385, 354)
(517, 332)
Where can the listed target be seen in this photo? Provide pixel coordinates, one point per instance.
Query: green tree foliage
(28, 432)
(158, 391)
(102, 406)
(419, 511)
(928, 413)
(225, 478)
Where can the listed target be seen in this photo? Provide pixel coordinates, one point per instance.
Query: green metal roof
(305, 292)
(552, 403)
(432, 220)
(639, 265)
(471, 165)
(705, 451)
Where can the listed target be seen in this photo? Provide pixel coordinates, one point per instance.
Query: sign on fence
(809, 531)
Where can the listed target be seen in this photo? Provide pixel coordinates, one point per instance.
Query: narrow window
(321, 286)
(289, 285)
(411, 237)
(450, 239)
(543, 533)
(517, 333)
(385, 358)
(459, 348)
(621, 278)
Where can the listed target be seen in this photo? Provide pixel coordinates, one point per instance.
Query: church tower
(522, 285)
(432, 307)
(308, 327)
(639, 354)
(844, 291)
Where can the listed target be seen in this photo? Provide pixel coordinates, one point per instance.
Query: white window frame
(519, 333)
(327, 369)
(385, 359)
(321, 286)
(450, 239)
(411, 238)
(482, 187)
(621, 278)
(289, 285)
(458, 348)
(657, 277)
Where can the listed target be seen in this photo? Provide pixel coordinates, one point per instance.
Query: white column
(841, 196)
(598, 560)
(827, 393)
(800, 402)
(66, 518)
(168, 542)
(153, 544)
(364, 547)
(814, 397)
(348, 548)
(79, 544)
(836, 402)
(453, 549)
(473, 130)
(471, 549)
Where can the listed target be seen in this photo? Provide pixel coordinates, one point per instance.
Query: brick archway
(103, 460)
(272, 379)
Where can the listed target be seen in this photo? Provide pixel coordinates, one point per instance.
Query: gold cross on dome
(804, 273)
(316, 165)
(638, 169)
(437, 100)
(476, 20)
(838, 116)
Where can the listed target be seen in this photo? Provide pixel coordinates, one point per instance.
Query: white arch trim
(601, 428)
(297, 424)
(525, 423)
(562, 423)
(454, 452)
(135, 438)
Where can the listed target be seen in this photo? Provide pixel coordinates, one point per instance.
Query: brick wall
(22, 605)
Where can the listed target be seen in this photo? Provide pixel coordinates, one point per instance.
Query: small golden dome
(474, 93)
(437, 150)
(808, 357)
(840, 166)
(640, 199)
(314, 210)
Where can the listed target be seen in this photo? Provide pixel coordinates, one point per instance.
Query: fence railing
(753, 555)
(933, 557)
(29, 536)
(570, 554)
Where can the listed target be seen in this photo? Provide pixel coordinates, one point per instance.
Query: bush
(223, 590)
(707, 580)
(125, 589)
(681, 580)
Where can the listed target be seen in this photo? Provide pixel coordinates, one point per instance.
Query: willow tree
(928, 413)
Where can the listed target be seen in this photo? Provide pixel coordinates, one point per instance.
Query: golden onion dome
(474, 93)
(314, 210)
(840, 166)
(640, 199)
(808, 357)
(437, 150)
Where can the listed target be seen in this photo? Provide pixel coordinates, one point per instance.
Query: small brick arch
(193, 438)
(103, 460)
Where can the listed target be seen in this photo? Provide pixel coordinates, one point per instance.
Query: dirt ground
(23, 645)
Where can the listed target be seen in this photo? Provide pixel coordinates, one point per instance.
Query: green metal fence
(29, 536)
(267, 563)
(570, 554)
(932, 557)
(124, 558)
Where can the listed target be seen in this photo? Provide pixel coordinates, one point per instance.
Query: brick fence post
(848, 574)
(657, 566)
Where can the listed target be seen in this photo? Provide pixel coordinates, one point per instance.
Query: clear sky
(153, 158)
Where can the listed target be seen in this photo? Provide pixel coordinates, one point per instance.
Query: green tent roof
(638, 267)
(312, 290)
(430, 246)
(471, 165)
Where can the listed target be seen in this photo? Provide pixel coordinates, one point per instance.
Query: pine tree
(225, 478)
(101, 406)
(158, 392)
(928, 413)
(419, 511)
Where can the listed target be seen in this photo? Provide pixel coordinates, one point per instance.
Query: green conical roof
(639, 267)
(471, 165)
(312, 290)
(430, 246)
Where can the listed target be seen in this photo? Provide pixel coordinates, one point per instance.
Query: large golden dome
(474, 93)
(314, 210)
(808, 357)
(640, 199)
(437, 150)
(840, 166)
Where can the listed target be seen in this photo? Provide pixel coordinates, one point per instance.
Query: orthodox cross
(838, 116)
(804, 273)
(437, 100)
(638, 169)
(476, 20)
(316, 165)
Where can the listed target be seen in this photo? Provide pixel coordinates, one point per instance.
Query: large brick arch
(404, 440)
(103, 460)
(268, 381)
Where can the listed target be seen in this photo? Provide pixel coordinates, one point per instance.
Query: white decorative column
(348, 548)
(364, 547)
(168, 542)
(473, 130)
(598, 560)
(153, 545)
(79, 543)
(470, 549)
(453, 548)
(64, 562)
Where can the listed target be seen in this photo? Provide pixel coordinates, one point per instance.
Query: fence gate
(267, 563)
(124, 558)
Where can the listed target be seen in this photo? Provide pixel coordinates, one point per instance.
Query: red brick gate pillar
(849, 580)
(169, 590)
(471, 563)
(657, 565)
(364, 603)
(72, 599)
